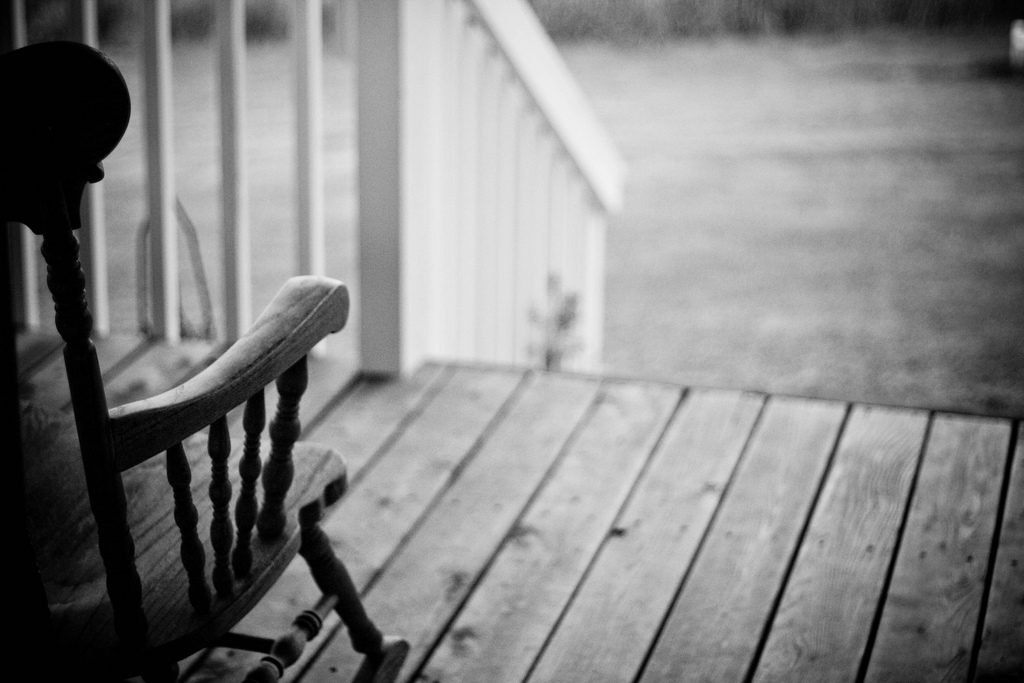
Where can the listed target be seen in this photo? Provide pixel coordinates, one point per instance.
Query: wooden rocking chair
(122, 555)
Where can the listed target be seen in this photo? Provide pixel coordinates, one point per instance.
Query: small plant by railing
(559, 339)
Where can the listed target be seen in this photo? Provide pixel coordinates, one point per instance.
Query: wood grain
(823, 623)
(47, 387)
(931, 612)
(617, 612)
(34, 349)
(369, 418)
(371, 522)
(302, 313)
(1001, 658)
(372, 414)
(713, 631)
(433, 572)
(505, 622)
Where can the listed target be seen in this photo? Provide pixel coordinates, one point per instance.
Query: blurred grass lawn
(826, 216)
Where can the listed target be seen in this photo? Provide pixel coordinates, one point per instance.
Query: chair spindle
(193, 557)
(249, 468)
(221, 530)
(284, 430)
(66, 281)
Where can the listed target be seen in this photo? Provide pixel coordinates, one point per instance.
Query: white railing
(505, 180)
(484, 182)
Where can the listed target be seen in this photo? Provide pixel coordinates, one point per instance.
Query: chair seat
(64, 537)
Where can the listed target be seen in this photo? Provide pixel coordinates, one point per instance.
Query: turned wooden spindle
(249, 468)
(284, 430)
(193, 557)
(287, 649)
(66, 282)
(332, 577)
(221, 530)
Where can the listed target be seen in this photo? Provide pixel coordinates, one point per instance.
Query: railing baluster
(470, 76)
(83, 26)
(193, 557)
(593, 318)
(538, 283)
(447, 265)
(309, 130)
(156, 43)
(234, 180)
(507, 181)
(24, 256)
(249, 468)
(284, 430)
(221, 530)
(486, 267)
(527, 193)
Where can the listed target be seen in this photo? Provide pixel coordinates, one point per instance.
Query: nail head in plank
(1001, 658)
(931, 611)
(713, 631)
(823, 622)
(429, 578)
(502, 628)
(617, 612)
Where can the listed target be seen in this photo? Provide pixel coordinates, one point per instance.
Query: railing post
(381, 247)
(234, 180)
(309, 129)
(156, 21)
(93, 235)
(24, 255)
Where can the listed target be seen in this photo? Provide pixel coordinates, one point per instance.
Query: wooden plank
(359, 427)
(715, 625)
(519, 600)
(364, 422)
(161, 366)
(433, 572)
(931, 611)
(619, 608)
(1001, 657)
(48, 386)
(373, 519)
(822, 626)
(34, 349)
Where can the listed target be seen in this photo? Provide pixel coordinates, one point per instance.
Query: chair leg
(384, 656)
(160, 672)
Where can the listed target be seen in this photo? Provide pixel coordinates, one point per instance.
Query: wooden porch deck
(519, 525)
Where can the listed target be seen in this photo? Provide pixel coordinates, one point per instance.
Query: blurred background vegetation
(618, 20)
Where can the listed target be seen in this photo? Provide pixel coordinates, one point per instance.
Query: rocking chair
(118, 532)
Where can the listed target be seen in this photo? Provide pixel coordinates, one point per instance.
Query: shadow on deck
(518, 525)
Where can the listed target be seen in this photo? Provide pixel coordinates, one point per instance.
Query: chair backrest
(66, 106)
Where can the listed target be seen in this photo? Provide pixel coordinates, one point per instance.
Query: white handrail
(536, 62)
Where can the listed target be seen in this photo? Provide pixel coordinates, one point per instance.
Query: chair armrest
(305, 310)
